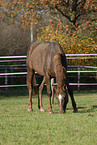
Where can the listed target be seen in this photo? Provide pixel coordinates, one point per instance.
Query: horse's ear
(56, 94)
(63, 88)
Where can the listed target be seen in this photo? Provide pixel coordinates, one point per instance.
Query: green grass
(20, 127)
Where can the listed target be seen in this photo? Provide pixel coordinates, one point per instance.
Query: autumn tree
(72, 44)
(32, 10)
(73, 9)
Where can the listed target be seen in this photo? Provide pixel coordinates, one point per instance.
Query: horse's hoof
(75, 111)
(50, 112)
(42, 110)
(61, 112)
(29, 110)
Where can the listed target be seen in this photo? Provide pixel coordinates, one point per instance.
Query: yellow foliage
(72, 44)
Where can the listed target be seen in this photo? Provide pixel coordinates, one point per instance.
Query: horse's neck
(60, 71)
(60, 76)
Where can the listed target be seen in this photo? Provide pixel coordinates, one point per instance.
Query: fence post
(78, 79)
(6, 89)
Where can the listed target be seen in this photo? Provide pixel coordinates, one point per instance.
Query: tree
(77, 43)
(13, 40)
(73, 9)
(77, 12)
(32, 10)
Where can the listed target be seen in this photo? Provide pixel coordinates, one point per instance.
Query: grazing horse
(48, 60)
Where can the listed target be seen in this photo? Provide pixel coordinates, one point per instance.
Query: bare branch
(62, 13)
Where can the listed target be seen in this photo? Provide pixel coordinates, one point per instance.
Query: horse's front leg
(49, 93)
(40, 95)
(65, 100)
(29, 78)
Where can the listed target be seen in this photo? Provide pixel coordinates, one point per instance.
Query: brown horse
(48, 60)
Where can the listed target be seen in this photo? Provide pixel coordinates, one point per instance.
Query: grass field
(20, 127)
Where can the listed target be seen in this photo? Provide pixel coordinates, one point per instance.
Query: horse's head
(62, 98)
(61, 93)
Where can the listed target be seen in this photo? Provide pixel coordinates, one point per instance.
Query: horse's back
(41, 54)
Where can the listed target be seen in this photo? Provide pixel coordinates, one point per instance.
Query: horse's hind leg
(34, 84)
(29, 79)
(40, 95)
(70, 91)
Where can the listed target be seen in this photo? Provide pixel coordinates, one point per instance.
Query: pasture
(20, 127)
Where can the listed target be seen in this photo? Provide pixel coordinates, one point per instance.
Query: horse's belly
(38, 66)
(38, 59)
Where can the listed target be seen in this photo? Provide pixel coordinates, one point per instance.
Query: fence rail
(24, 73)
(7, 59)
(10, 57)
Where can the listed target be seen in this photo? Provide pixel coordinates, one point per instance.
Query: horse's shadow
(81, 109)
(94, 106)
(87, 110)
